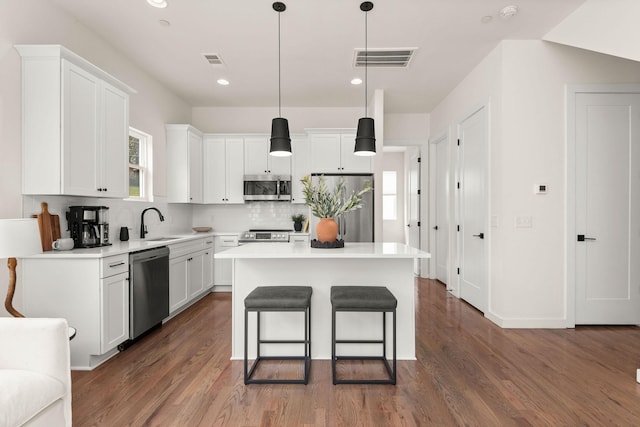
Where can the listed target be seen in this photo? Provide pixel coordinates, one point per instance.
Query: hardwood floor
(468, 372)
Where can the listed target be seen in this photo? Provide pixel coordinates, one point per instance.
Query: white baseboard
(527, 323)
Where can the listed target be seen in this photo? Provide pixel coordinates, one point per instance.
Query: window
(140, 178)
(389, 196)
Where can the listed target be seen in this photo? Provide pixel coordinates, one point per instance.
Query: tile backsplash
(179, 218)
(275, 215)
(122, 213)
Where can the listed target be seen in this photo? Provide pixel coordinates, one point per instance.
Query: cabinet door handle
(116, 265)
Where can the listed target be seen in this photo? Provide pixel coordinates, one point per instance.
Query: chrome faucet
(143, 228)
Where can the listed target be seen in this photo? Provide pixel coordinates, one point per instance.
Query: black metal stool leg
(246, 351)
(333, 344)
(395, 367)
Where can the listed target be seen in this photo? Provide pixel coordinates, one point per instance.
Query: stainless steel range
(264, 235)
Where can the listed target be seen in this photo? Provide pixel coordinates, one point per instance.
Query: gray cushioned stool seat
(279, 297)
(362, 297)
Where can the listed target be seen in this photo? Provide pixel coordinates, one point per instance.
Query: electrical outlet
(541, 189)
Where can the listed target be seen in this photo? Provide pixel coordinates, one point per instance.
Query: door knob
(435, 228)
(582, 238)
(481, 235)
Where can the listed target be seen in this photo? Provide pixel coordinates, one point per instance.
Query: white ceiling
(317, 46)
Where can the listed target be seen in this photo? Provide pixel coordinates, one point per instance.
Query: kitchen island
(370, 264)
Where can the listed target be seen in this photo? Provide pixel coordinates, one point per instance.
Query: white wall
(41, 22)
(406, 129)
(258, 119)
(534, 152)
(525, 82)
(605, 26)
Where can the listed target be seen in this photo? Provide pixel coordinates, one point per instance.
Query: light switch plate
(524, 222)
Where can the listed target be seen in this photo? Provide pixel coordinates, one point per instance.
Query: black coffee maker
(89, 226)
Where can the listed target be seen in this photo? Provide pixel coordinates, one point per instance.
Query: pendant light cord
(279, 79)
(366, 66)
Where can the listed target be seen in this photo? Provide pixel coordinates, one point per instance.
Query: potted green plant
(298, 219)
(327, 204)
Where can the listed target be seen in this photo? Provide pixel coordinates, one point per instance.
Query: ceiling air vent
(213, 59)
(391, 57)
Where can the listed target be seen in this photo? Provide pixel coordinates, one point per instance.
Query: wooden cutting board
(49, 226)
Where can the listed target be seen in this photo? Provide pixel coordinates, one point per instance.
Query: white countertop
(118, 247)
(351, 250)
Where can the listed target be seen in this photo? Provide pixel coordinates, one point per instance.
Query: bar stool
(363, 299)
(278, 299)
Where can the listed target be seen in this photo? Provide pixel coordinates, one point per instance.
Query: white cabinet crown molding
(61, 52)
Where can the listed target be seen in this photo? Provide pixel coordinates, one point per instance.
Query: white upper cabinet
(349, 161)
(223, 171)
(185, 164)
(333, 153)
(257, 160)
(300, 165)
(75, 125)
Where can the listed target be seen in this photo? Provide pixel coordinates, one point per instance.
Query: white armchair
(35, 376)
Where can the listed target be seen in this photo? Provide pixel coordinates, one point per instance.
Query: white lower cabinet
(91, 293)
(190, 272)
(178, 277)
(223, 268)
(299, 239)
(114, 292)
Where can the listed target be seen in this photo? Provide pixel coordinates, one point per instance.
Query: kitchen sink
(162, 239)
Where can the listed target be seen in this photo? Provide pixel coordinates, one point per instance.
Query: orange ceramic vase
(327, 230)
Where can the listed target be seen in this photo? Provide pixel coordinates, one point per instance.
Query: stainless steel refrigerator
(354, 226)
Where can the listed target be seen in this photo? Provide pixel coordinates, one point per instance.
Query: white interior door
(607, 252)
(413, 197)
(441, 220)
(472, 208)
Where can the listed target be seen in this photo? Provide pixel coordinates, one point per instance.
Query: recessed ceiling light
(164, 22)
(356, 81)
(161, 4)
(509, 12)
(223, 82)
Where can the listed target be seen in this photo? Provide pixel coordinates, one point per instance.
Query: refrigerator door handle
(344, 226)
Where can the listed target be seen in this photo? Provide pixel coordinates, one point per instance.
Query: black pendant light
(280, 139)
(365, 136)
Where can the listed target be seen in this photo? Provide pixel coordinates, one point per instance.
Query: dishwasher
(148, 290)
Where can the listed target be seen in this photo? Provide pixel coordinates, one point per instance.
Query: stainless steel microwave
(267, 187)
